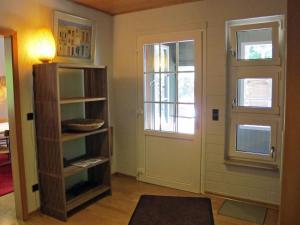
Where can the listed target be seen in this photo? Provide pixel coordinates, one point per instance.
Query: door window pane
(168, 117)
(168, 87)
(152, 116)
(186, 56)
(255, 44)
(255, 92)
(151, 58)
(186, 118)
(186, 87)
(253, 139)
(168, 57)
(152, 87)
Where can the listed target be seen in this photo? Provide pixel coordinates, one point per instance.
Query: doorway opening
(12, 170)
(6, 180)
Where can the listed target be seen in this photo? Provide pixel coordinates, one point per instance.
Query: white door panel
(169, 142)
(165, 160)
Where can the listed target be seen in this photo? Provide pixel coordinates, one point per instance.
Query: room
(5, 156)
(191, 100)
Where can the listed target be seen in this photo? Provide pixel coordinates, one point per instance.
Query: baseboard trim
(267, 205)
(35, 212)
(123, 174)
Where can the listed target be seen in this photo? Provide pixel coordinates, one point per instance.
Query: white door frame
(200, 96)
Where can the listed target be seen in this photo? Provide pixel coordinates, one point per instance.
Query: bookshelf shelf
(86, 196)
(80, 100)
(66, 136)
(71, 170)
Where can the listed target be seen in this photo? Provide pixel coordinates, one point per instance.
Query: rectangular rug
(6, 182)
(243, 211)
(168, 210)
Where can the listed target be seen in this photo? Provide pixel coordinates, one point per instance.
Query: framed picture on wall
(75, 38)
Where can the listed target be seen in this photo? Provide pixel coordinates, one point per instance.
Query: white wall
(235, 181)
(25, 17)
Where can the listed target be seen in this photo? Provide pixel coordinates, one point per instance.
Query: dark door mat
(167, 210)
(244, 211)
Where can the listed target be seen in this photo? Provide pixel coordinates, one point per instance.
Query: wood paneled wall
(289, 211)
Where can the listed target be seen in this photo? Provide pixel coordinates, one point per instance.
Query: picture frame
(75, 38)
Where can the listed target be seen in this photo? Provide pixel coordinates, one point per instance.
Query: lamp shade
(45, 45)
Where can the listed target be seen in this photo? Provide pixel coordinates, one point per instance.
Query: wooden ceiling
(115, 7)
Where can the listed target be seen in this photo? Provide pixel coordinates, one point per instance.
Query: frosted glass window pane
(253, 139)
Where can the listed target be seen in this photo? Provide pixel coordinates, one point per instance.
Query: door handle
(273, 151)
(140, 112)
(233, 53)
(234, 103)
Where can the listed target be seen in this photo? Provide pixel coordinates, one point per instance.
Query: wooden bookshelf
(59, 196)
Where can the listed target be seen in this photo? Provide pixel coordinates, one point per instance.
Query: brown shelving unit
(59, 196)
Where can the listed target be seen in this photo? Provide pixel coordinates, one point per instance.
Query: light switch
(215, 114)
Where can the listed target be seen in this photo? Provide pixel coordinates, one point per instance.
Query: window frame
(257, 72)
(254, 157)
(276, 60)
(260, 68)
(176, 103)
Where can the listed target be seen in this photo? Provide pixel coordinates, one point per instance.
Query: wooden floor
(117, 209)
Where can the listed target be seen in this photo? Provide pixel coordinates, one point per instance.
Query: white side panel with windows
(255, 93)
